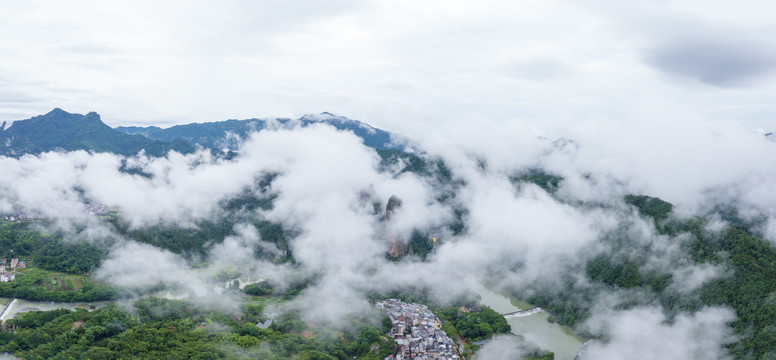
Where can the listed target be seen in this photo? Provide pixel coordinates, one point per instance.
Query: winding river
(11, 307)
(18, 306)
(535, 328)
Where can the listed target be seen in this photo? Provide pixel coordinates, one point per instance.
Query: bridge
(522, 313)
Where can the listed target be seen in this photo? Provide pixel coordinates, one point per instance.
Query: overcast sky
(407, 66)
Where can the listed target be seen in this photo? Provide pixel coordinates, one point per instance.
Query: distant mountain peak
(334, 119)
(228, 134)
(57, 111)
(324, 116)
(59, 130)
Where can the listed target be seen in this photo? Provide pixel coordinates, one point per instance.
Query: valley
(272, 265)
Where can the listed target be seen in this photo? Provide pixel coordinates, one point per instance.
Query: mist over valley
(307, 211)
(387, 180)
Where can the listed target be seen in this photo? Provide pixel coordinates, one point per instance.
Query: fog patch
(139, 266)
(687, 279)
(507, 348)
(237, 251)
(645, 333)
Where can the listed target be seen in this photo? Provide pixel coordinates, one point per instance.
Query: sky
(415, 67)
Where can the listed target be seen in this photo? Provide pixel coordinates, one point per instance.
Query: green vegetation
(420, 244)
(748, 289)
(43, 285)
(47, 251)
(412, 163)
(186, 241)
(75, 258)
(174, 329)
(624, 274)
(52, 252)
(544, 356)
(262, 288)
(60, 130)
(472, 325)
(224, 134)
(546, 181)
(55, 267)
(196, 241)
(653, 207)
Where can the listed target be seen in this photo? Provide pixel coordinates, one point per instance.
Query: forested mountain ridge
(229, 133)
(60, 130)
(643, 254)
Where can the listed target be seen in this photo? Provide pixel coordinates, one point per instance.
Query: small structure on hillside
(7, 277)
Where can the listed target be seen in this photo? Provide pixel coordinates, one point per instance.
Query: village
(417, 331)
(9, 275)
(88, 208)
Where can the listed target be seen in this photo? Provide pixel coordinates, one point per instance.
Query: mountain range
(228, 134)
(59, 130)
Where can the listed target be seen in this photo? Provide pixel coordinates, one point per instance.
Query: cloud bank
(330, 194)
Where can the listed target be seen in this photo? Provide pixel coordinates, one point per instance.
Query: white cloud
(470, 81)
(644, 333)
(142, 62)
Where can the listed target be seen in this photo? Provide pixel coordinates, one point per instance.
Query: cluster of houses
(97, 209)
(21, 217)
(92, 209)
(417, 331)
(9, 275)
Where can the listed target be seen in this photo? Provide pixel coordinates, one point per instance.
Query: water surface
(535, 328)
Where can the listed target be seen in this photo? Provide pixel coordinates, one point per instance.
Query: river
(18, 306)
(535, 328)
(22, 306)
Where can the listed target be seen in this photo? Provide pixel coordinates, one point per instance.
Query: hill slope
(60, 130)
(227, 134)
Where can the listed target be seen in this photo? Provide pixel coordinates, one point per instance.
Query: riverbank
(15, 306)
(534, 327)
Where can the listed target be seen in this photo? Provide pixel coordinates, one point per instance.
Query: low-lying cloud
(645, 333)
(330, 195)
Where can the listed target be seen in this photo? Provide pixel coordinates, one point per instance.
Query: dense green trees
(174, 329)
(60, 130)
(258, 289)
(653, 207)
(747, 283)
(546, 181)
(48, 251)
(77, 258)
(197, 241)
(545, 356)
(473, 325)
(33, 285)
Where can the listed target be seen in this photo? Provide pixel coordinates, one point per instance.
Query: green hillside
(59, 130)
